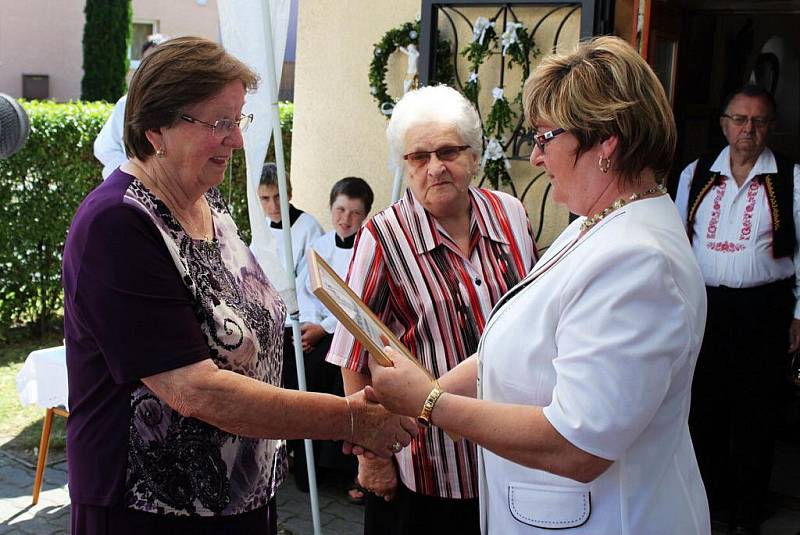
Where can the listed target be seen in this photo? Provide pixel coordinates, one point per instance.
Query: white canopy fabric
(242, 28)
(255, 32)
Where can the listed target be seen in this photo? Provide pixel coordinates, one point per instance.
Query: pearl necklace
(589, 222)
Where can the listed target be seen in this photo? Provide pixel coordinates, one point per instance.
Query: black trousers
(321, 376)
(738, 385)
(411, 513)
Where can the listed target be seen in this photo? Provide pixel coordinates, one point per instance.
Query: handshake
(374, 431)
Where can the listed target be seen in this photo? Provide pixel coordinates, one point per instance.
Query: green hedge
(41, 187)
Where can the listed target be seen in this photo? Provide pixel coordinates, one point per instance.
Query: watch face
(423, 422)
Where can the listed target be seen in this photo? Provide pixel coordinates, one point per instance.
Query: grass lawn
(21, 427)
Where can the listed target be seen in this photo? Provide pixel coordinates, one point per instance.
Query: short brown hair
(178, 73)
(355, 188)
(602, 89)
(269, 177)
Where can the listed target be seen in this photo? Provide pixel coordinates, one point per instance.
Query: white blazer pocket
(549, 506)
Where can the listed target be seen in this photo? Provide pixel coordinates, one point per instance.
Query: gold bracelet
(424, 418)
(352, 420)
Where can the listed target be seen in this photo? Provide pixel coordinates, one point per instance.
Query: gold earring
(160, 153)
(604, 164)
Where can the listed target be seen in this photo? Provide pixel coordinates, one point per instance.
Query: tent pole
(288, 258)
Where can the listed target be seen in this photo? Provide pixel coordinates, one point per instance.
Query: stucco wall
(180, 17)
(337, 128)
(44, 37)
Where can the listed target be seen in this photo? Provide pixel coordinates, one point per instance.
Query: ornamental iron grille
(495, 46)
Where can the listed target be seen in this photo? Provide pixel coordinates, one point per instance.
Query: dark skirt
(95, 520)
(412, 513)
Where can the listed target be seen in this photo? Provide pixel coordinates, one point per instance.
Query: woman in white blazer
(585, 367)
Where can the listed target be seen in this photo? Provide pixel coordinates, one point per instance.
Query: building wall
(45, 37)
(338, 130)
(42, 37)
(180, 17)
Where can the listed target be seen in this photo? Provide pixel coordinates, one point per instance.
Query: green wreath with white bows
(402, 36)
(517, 47)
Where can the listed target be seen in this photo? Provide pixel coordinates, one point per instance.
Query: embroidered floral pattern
(746, 230)
(713, 223)
(773, 203)
(725, 246)
(747, 218)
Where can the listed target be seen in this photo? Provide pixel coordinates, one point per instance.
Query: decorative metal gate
(484, 35)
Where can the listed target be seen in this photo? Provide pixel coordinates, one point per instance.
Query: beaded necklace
(589, 222)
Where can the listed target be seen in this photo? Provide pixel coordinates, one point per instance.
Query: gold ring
(396, 447)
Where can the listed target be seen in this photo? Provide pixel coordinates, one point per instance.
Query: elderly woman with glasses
(585, 368)
(173, 332)
(431, 267)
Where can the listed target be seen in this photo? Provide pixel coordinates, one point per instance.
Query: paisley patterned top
(181, 465)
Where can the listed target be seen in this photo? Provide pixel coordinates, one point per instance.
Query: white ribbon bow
(497, 94)
(479, 30)
(509, 36)
(494, 151)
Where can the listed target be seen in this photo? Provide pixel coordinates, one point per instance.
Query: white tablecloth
(43, 378)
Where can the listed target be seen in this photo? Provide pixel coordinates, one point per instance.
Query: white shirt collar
(765, 164)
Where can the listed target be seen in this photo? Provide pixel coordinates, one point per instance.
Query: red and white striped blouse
(409, 271)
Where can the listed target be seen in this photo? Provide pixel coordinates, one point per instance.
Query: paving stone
(54, 478)
(39, 523)
(15, 476)
(344, 527)
(294, 507)
(300, 526)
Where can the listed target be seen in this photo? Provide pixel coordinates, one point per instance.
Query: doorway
(722, 46)
(702, 50)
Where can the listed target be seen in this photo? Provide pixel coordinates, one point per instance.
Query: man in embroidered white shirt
(741, 209)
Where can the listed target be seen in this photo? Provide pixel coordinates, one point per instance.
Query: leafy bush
(42, 186)
(106, 37)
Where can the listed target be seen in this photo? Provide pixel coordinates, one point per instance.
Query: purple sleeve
(130, 297)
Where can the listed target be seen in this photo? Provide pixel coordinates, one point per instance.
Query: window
(141, 30)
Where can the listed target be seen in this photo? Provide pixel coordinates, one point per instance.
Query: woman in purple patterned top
(173, 332)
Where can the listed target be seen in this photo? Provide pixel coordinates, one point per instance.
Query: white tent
(255, 32)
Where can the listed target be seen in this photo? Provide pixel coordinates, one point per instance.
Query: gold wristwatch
(424, 418)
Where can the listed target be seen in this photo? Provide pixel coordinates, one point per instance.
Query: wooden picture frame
(352, 313)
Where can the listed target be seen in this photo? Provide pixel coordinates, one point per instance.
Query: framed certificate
(353, 314)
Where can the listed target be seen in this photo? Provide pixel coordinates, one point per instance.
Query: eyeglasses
(741, 120)
(544, 138)
(445, 154)
(223, 127)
